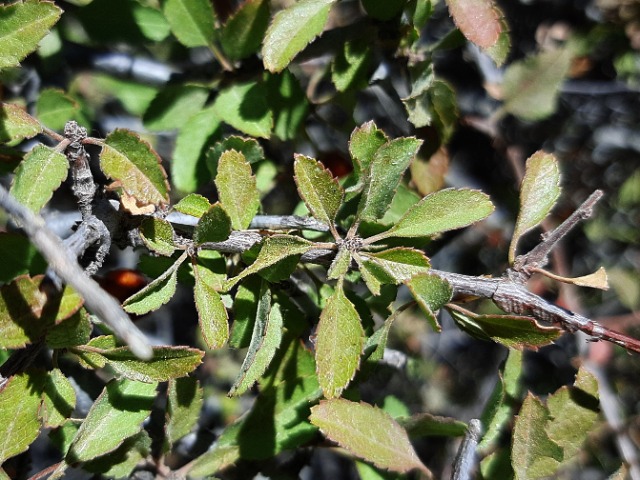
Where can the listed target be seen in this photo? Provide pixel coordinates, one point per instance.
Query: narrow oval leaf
(21, 304)
(339, 343)
(193, 204)
(212, 315)
(157, 293)
(242, 35)
(538, 194)
(274, 249)
(176, 105)
(432, 293)
(116, 415)
(249, 147)
(531, 86)
(291, 30)
(396, 265)
(364, 143)
(244, 106)
(440, 212)
(166, 363)
(191, 21)
(266, 339)
(59, 399)
(16, 123)
(237, 189)
(509, 330)
(340, 264)
(39, 175)
(184, 400)
(22, 26)
(367, 432)
(19, 423)
(157, 235)
(55, 108)
(213, 226)
(320, 191)
(478, 20)
(533, 454)
(384, 175)
(132, 162)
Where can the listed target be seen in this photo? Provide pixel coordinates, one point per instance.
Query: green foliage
(316, 307)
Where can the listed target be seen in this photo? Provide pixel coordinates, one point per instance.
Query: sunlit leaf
(157, 235)
(509, 330)
(21, 304)
(192, 21)
(266, 338)
(39, 175)
(432, 293)
(440, 212)
(19, 423)
(116, 415)
(274, 249)
(320, 191)
(245, 306)
(132, 162)
(122, 461)
(244, 106)
(16, 123)
(242, 34)
(291, 30)
(22, 26)
(383, 176)
(531, 86)
(367, 432)
(249, 147)
(237, 190)
(157, 293)
(55, 108)
(350, 66)
(175, 105)
(213, 226)
(288, 102)
(212, 314)
(534, 454)
(339, 343)
(538, 194)
(428, 425)
(396, 265)
(184, 400)
(340, 264)
(193, 204)
(151, 21)
(363, 145)
(73, 331)
(59, 399)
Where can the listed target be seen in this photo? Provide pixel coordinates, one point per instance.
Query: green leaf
(122, 461)
(534, 454)
(368, 433)
(383, 10)
(288, 102)
(21, 305)
(509, 330)
(16, 123)
(274, 249)
(157, 293)
(321, 192)
(166, 363)
(192, 21)
(482, 22)
(573, 412)
(193, 204)
(132, 162)
(75, 330)
(266, 338)
(184, 401)
(428, 425)
(339, 342)
(25, 258)
(441, 211)
(39, 175)
(22, 26)
(188, 167)
(174, 105)
(291, 30)
(242, 35)
(237, 189)
(340, 264)
(19, 423)
(539, 192)
(363, 145)
(151, 22)
(213, 226)
(396, 265)
(55, 108)
(134, 97)
(249, 147)
(432, 293)
(531, 86)
(384, 174)
(212, 314)
(245, 306)
(244, 107)
(59, 399)
(351, 65)
(116, 415)
(157, 235)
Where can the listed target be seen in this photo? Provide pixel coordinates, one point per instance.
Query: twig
(43, 473)
(260, 222)
(66, 267)
(465, 462)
